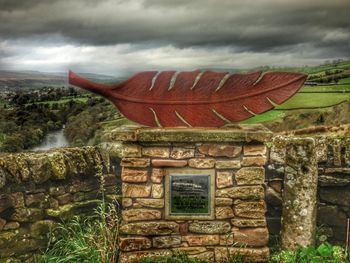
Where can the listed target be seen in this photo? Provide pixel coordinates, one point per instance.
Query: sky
(119, 37)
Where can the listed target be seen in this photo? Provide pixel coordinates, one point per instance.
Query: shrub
(324, 253)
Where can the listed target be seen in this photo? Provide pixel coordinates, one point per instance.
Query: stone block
(335, 195)
(338, 170)
(150, 228)
(131, 150)
(41, 228)
(134, 243)
(201, 163)
(181, 153)
(254, 161)
(140, 215)
(162, 152)
(253, 237)
(67, 211)
(278, 150)
(166, 241)
(220, 150)
(157, 175)
(321, 149)
(157, 190)
(242, 192)
(136, 256)
(149, 202)
(27, 214)
(16, 199)
(228, 164)
(221, 201)
(2, 223)
(201, 240)
(243, 222)
(35, 199)
(223, 179)
(64, 199)
(189, 250)
(134, 175)
(250, 176)
(168, 163)
(5, 203)
(11, 226)
(299, 194)
(226, 240)
(209, 227)
(254, 149)
(334, 180)
(183, 228)
(126, 202)
(136, 190)
(250, 209)
(135, 162)
(223, 212)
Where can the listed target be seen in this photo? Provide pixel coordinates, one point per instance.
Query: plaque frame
(190, 172)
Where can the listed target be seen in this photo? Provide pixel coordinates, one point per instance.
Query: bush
(324, 253)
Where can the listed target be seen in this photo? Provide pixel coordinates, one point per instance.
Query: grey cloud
(127, 36)
(267, 25)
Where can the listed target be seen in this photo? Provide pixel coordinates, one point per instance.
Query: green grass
(64, 100)
(266, 116)
(313, 100)
(308, 99)
(112, 124)
(92, 239)
(344, 81)
(327, 88)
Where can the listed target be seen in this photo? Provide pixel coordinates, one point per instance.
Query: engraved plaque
(189, 194)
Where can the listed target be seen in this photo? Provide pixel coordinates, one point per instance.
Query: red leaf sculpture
(195, 99)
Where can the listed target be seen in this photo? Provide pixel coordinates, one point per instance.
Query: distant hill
(326, 73)
(34, 79)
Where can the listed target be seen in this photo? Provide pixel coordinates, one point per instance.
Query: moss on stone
(69, 210)
(41, 228)
(227, 134)
(56, 165)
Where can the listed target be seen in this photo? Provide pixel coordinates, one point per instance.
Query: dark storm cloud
(258, 26)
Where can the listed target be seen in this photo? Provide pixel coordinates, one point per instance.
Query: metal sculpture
(195, 99)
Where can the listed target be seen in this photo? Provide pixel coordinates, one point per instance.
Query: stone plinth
(233, 157)
(299, 195)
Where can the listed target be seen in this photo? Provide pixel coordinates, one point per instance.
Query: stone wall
(39, 189)
(333, 158)
(236, 156)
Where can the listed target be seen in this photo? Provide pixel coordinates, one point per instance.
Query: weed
(92, 239)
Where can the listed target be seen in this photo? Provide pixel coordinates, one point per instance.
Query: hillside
(34, 79)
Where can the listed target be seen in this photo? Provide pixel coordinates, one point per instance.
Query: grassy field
(310, 98)
(314, 70)
(344, 81)
(307, 99)
(64, 100)
(341, 88)
(313, 100)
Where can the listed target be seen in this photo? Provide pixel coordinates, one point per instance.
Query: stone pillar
(299, 194)
(233, 157)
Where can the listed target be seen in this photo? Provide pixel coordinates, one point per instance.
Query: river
(55, 139)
